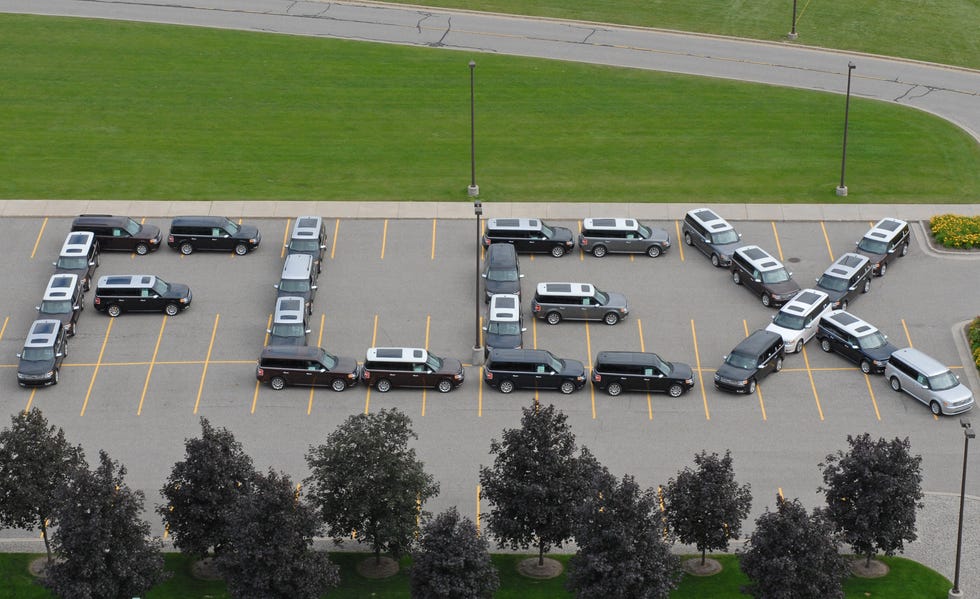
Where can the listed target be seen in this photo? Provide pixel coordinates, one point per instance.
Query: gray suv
(711, 235)
(762, 274)
(845, 278)
(622, 235)
(555, 302)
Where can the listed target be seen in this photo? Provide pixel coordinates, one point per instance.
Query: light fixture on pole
(968, 433)
(473, 190)
(842, 189)
(477, 346)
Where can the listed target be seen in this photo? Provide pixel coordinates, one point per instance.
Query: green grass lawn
(932, 30)
(114, 110)
(906, 580)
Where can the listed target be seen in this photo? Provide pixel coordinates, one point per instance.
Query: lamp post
(473, 190)
(792, 29)
(477, 346)
(968, 433)
(842, 189)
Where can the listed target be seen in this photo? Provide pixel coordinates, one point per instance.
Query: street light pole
(968, 433)
(473, 190)
(792, 30)
(842, 189)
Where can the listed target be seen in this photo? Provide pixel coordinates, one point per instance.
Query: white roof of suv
(886, 229)
(711, 221)
(397, 354)
(307, 227)
(804, 302)
(505, 307)
(849, 323)
(112, 281)
(77, 243)
(847, 265)
(612, 224)
(289, 309)
(43, 333)
(514, 224)
(759, 258)
(60, 287)
(569, 289)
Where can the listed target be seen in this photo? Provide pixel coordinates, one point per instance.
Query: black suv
(501, 271)
(388, 367)
(755, 357)
(44, 351)
(120, 233)
(289, 325)
(856, 340)
(764, 275)
(509, 369)
(711, 235)
(618, 371)
(845, 278)
(215, 233)
(889, 236)
(116, 294)
(529, 235)
(79, 255)
(63, 300)
(302, 365)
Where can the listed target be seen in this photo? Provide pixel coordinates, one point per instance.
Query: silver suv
(622, 235)
(554, 302)
(927, 380)
(797, 321)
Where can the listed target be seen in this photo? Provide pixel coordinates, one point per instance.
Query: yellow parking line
(867, 380)
(588, 352)
(827, 241)
(333, 245)
(478, 509)
(779, 248)
(758, 388)
(680, 245)
(779, 490)
(697, 358)
(534, 332)
(105, 340)
(907, 336)
(285, 239)
(319, 343)
(255, 394)
(581, 251)
(639, 326)
(433, 239)
(384, 239)
(30, 400)
(4, 328)
(40, 233)
(374, 337)
(207, 360)
(149, 371)
(428, 320)
(809, 373)
(479, 394)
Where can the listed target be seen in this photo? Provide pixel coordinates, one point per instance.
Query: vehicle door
(655, 379)
(422, 375)
(114, 238)
(625, 241)
(700, 240)
(544, 377)
(530, 241)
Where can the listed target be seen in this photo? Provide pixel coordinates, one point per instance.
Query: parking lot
(136, 385)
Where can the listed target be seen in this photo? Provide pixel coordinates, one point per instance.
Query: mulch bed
(694, 566)
(551, 568)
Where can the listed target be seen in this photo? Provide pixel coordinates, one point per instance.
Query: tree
(792, 555)
(214, 473)
(872, 494)
(35, 461)
(105, 548)
(366, 479)
(622, 552)
(452, 561)
(536, 482)
(269, 548)
(705, 508)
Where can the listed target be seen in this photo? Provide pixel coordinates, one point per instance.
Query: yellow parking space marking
(319, 343)
(207, 360)
(95, 373)
(775, 234)
(4, 328)
(333, 245)
(867, 380)
(384, 239)
(479, 394)
(534, 332)
(680, 246)
(149, 371)
(758, 388)
(639, 327)
(779, 491)
(37, 242)
(433, 239)
(827, 241)
(30, 400)
(907, 336)
(367, 395)
(697, 361)
(813, 386)
(428, 320)
(285, 239)
(581, 251)
(255, 394)
(588, 372)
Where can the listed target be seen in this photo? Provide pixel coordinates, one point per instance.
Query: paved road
(952, 93)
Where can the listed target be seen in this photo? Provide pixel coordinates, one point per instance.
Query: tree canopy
(452, 561)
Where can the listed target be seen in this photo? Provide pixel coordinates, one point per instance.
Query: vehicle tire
(338, 385)
(241, 249)
(186, 248)
(567, 387)
(599, 251)
(611, 318)
(896, 386)
(752, 386)
(687, 238)
(843, 304)
(867, 285)
(799, 346)
(865, 367)
(506, 386)
(905, 250)
(383, 385)
(881, 271)
(172, 309)
(766, 300)
(935, 409)
(71, 333)
(779, 364)
(715, 261)
(86, 285)
(278, 383)
(553, 318)
(142, 249)
(558, 251)
(114, 310)
(675, 390)
(736, 278)
(825, 345)
(654, 251)
(445, 386)
(56, 377)
(614, 389)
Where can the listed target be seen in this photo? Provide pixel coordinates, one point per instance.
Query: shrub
(954, 231)
(973, 334)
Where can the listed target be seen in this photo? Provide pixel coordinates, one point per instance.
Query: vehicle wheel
(675, 390)
(825, 345)
(687, 238)
(142, 249)
(751, 386)
(736, 278)
(338, 385)
(445, 386)
(506, 386)
(599, 251)
(865, 367)
(896, 386)
(383, 385)
(799, 346)
(567, 387)
(86, 285)
(558, 251)
(881, 271)
(278, 383)
(714, 260)
(905, 250)
(172, 309)
(113, 310)
(614, 389)
(186, 249)
(654, 251)
(241, 249)
(934, 407)
(56, 378)
(553, 318)
(766, 300)
(71, 332)
(779, 364)
(867, 285)
(843, 304)
(611, 318)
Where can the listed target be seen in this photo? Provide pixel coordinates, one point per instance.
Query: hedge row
(974, 335)
(954, 231)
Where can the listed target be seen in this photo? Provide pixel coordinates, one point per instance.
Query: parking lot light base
(473, 190)
(842, 190)
(955, 594)
(478, 355)
(792, 35)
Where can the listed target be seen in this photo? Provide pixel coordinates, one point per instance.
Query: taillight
(367, 374)
(489, 376)
(537, 307)
(98, 300)
(259, 371)
(585, 241)
(170, 238)
(596, 377)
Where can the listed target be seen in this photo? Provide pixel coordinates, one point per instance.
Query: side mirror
(854, 346)
(791, 273)
(54, 264)
(523, 330)
(485, 328)
(773, 317)
(59, 355)
(891, 251)
(852, 287)
(739, 235)
(323, 246)
(276, 285)
(816, 280)
(91, 263)
(286, 246)
(758, 280)
(268, 331)
(521, 276)
(18, 355)
(484, 275)
(76, 307)
(308, 331)
(38, 308)
(313, 287)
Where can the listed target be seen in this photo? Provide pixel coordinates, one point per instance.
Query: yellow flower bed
(954, 231)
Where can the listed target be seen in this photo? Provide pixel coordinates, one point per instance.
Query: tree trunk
(867, 563)
(540, 553)
(703, 552)
(44, 535)
(377, 555)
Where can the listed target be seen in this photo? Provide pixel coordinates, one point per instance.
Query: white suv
(797, 320)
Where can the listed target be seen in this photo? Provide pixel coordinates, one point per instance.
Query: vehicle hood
(495, 287)
(287, 341)
(248, 232)
(680, 370)
(31, 367)
(660, 235)
(788, 335)
(731, 372)
(178, 290)
(572, 368)
(562, 234)
(786, 289)
(345, 365)
(616, 300)
(959, 393)
(881, 353)
(451, 366)
(149, 232)
(496, 341)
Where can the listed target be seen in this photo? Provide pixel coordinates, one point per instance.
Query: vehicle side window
(922, 380)
(648, 372)
(116, 233)
(144, 293)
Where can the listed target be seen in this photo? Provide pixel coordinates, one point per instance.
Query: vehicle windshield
(941, 382)
(645, 232)
(294, 285)
(778, 275)
(546, 231)
(602, 297)
(832, 283)
(433, 363)
(230, 226)
(161, 287)
(660, 365)
(73, 262)
(288, 330)
(740, 361)
(872, 341)
(304, 245)
(556, 364)
(502, 274)
(327, 359)
(729, 236)
(37, 354)
(788, 321)
(873, 246)
(504, 328)
(56, 307)
(133, 227)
